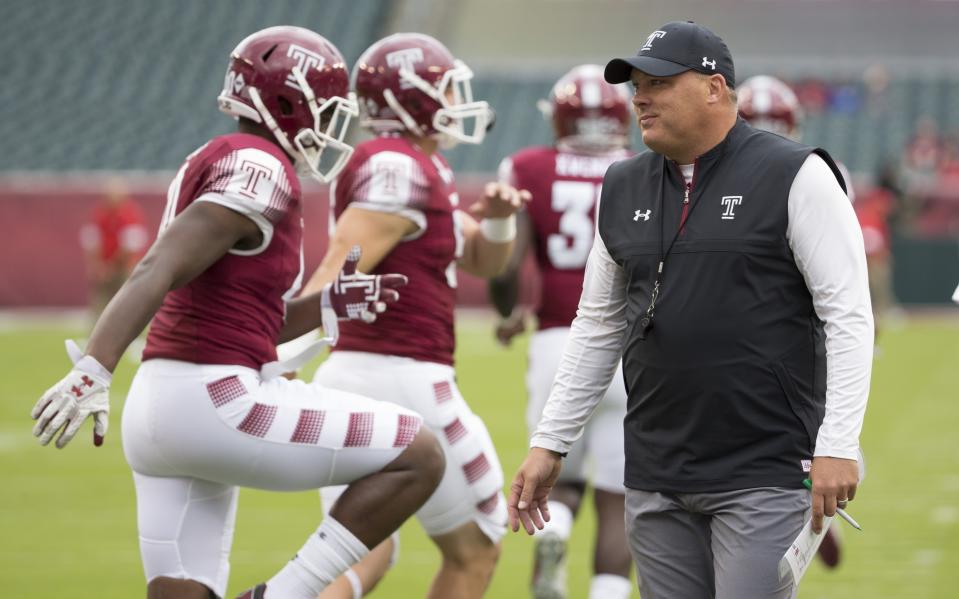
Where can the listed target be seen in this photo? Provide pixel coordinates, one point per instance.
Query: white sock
(610, 586)
(560, 521)
(327, 554)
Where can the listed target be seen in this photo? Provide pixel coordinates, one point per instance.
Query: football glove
(84, 391)
(357, 296)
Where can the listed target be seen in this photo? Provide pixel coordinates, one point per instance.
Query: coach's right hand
(529, 492)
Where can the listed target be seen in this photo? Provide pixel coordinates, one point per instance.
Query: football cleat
(549, 568)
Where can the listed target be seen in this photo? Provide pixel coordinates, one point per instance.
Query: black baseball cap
(674, 48)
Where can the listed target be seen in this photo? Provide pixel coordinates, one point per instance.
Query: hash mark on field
(945, 514)
(928, 557)
(11, 441)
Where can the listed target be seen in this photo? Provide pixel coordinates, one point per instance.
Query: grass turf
(68, 518)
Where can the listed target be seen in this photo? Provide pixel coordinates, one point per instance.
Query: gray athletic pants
(714, 545)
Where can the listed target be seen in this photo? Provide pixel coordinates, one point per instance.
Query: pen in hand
(842, 513)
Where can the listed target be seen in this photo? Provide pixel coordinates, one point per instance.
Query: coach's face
(670, 111)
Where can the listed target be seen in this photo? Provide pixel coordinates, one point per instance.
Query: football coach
(728, 273)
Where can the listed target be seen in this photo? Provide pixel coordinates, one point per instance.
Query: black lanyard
(646, 322)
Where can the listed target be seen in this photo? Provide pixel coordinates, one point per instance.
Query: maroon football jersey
(233, 311)
(390, 174)
(565, 187)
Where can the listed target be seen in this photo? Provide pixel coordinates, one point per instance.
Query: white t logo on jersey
(644, 215)
(730, 202)
(305, 60)
(255, 172)
(652, 38)
(405, 59)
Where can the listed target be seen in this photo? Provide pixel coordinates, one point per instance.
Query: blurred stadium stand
(129, 85)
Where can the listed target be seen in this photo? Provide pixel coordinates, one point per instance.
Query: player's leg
(225, 425)
(185, 525)
(611, 559)
(469, 558)
(470, 491)
(186, 530)
(751, 531)
(363, 576)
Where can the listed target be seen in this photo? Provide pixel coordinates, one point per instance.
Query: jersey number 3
(575, 200)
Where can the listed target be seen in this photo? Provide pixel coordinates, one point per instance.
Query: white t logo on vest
(644, 215)
(730, 202)
(305, 60)
(652, 38)
(405, 59)
(709, 63)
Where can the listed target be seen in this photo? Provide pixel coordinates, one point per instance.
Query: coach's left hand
(834, 482)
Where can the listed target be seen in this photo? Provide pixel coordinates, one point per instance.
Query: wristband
(499, 230)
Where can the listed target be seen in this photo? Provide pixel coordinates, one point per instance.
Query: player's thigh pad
(186, 529)
(471, 487)
(225, 424)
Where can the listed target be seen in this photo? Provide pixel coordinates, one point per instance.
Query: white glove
(84, 391)
(357, 296)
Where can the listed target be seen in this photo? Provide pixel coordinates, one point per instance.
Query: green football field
(67, 518)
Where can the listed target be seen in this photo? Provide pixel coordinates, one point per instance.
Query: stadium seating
(131, 86)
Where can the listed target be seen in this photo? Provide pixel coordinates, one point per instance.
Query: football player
(207, 411)
(768, 103)
(396, 198)
(591, 120)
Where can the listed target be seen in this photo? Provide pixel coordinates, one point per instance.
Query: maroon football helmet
(587, 112)
(294, 82)
(411, 82)
(769, 104)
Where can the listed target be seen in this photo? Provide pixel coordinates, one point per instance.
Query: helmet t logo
(404, 60)
(305, 60)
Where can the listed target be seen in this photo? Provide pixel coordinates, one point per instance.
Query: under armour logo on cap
(675, 48)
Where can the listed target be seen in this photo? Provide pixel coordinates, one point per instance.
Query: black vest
(727, 390)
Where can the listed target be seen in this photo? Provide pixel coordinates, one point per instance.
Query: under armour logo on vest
(644, 215)
(709, 63)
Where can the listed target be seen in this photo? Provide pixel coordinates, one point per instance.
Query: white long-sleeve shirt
(827, 244)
